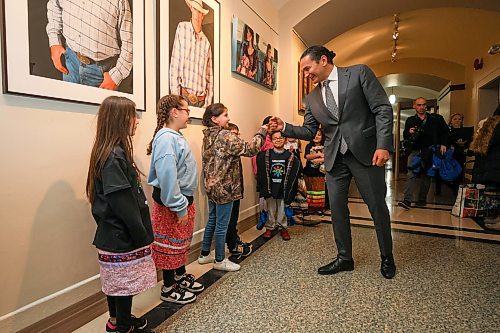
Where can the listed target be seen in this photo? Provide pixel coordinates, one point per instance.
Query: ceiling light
(395, 36)
(494, 49)
(392, 97)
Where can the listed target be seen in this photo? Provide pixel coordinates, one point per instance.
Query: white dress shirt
(334, 85)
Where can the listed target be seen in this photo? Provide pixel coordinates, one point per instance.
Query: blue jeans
(89, 75)
(218, 220)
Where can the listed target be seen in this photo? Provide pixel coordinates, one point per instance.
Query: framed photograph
(188, 44)
(252, 56)
(73, 50)
(305, 87)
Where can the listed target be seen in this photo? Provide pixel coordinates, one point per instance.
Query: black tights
(120, 307)
(169, 274)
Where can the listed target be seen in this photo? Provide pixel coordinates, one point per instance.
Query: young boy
(278, 171)
(236, 246)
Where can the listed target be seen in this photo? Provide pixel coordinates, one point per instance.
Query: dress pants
(370, 181)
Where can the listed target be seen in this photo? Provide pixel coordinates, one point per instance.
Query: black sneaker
(242, 249)
(405, 204)
(139, 324)
(187, 282)
(177, 295)
(420, 203)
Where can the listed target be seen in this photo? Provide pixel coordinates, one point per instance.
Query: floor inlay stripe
(431, 231)
(422, 224)
(165, 310)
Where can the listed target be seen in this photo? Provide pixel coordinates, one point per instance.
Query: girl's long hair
(163, 108)
(114, 121)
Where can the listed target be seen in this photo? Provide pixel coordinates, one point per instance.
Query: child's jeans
(218, 220)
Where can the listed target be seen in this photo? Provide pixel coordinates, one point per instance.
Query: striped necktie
(331, 104)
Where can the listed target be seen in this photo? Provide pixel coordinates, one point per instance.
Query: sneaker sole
(194, 290)
(206, 261)
(143, 326)
(226, 270)
(169, 300)
(404, 206)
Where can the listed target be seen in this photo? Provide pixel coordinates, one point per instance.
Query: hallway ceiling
(415, 80)
(338, 16)
(457, 35)
(428, 32)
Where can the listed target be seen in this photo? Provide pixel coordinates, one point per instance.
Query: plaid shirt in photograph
(98, 29)
(191, 63)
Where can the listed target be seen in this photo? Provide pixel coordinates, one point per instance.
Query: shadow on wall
(60, 251)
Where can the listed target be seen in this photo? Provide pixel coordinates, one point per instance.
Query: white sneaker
(202, 260)
(226, 265)
(177, 295)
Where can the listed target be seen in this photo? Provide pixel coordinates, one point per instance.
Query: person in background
(486, 147)
(268, 144)
(314, 178)
(425, 130)
(277, 176)
(173, 176)
(221, 151)
(459, 140)
(236, 246)
(124, 234)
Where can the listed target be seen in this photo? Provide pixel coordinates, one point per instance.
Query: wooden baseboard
(86, 310)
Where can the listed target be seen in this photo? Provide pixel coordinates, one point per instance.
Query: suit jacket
(365, 116)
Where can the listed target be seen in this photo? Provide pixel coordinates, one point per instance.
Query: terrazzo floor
(447, 279)
(442, 285)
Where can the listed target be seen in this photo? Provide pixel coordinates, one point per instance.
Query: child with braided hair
(173, 175)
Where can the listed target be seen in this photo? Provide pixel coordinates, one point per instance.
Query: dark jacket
(487, 149)
(120, 208)
(365, 113)
(434, 131)
(289, 184)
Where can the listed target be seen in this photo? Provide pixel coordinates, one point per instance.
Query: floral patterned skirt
(126, 274)
(172, 240)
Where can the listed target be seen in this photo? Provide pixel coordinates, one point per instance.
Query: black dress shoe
(388, 267)
(338, 265)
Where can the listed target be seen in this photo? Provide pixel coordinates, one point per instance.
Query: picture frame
(197, 81)
(252, 57)
(28, 68)
(305, 86)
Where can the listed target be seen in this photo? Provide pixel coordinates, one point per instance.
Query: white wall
(291, 47)
(47, 230)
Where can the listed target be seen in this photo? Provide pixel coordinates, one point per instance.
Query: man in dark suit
(356, 116)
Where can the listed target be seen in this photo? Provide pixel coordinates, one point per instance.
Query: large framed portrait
(252, 56)
(74, 50)
(305, 85)
(188, 44)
